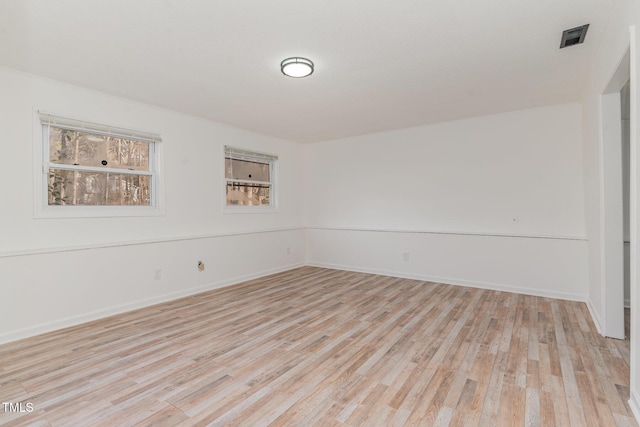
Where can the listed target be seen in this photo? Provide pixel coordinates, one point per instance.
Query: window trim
(242, 154)
(42, 163)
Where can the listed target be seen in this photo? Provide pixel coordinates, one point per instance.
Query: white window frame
(42, 209)
(242, 154)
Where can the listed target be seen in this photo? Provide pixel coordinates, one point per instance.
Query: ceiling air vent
(573, 36)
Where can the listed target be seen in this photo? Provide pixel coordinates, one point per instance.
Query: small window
(94, 165)
(249, 178)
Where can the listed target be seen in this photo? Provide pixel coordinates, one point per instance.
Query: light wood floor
(322, 347)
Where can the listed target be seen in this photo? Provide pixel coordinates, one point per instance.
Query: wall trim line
(456, 233)
(81, 247)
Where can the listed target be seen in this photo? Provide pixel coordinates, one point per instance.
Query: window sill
(249, 209)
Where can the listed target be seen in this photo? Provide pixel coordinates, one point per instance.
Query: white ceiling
(380, 64)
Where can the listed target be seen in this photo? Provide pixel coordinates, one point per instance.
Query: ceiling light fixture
(296, 67)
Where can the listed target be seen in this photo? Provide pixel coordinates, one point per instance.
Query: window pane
(245, 194)
(71, 147)
(246, 170)
(98, 188)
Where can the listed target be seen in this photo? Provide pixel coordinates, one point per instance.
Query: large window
(249, 178)
(87, 164)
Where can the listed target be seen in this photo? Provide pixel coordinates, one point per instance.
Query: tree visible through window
(92, 168)
(248, 178)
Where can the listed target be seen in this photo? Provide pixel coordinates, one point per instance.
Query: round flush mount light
(296, 67)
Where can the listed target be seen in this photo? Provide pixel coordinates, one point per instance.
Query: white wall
(192, 169)
(51, 290)
(516, 173)
(494, 201)
(534, 266)
(616, 42)
(56, 272)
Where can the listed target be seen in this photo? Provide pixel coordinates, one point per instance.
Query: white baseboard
(123, 308)
(594, 316)
(456, 282)
(634, 404)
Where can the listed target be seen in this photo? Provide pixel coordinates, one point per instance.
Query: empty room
(340, 213)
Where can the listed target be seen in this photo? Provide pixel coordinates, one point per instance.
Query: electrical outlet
(158, 274)
(288, 250)
(405, 256)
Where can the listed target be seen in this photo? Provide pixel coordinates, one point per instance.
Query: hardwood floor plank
(547, 410)
(532, 408)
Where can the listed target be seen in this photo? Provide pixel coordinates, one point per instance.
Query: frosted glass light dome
(296, 67)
